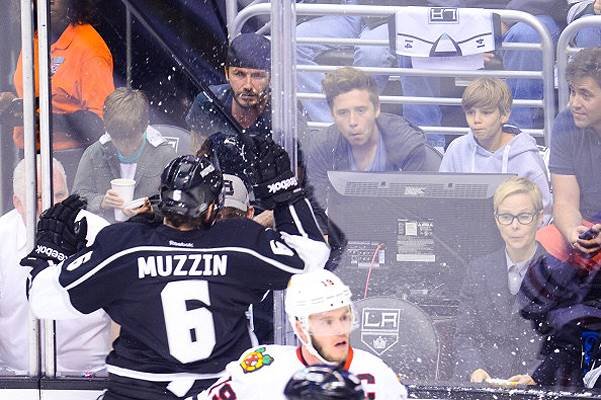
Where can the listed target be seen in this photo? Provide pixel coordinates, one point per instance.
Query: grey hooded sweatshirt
(520, 156)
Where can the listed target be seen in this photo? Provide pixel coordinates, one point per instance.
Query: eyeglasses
(524, 218)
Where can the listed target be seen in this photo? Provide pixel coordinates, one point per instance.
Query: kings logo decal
(380, 328)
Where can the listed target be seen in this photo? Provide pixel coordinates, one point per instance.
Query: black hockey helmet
(324, 382)
(189, 184)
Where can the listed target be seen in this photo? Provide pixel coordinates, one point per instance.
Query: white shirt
(516, 271)
(262, 373)
(81, 345)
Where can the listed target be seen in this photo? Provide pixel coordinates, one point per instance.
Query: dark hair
(231, 213)
(80, 11)
(344, 80)
(178, 220)
(585, 64)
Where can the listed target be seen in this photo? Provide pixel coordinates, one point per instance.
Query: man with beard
(246, 96)
(575, 150)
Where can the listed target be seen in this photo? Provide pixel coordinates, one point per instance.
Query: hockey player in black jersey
(179, 289)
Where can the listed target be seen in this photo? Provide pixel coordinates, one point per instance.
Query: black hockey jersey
(180, 297)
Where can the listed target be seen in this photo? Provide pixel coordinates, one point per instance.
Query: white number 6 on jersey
(190, 333)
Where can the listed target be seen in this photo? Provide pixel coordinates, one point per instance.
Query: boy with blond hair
(493, 146)
(129, 149)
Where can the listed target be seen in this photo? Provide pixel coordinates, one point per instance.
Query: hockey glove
(234, 154)
(276, 183)
(58, 235)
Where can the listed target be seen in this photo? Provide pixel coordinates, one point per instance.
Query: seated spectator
(128, 149)
(575, 151)
(82, 77)
(587, 37)
(236, 204)
(347, 27)
(551, 14)
(491, 146)
(246, 97)
(236, 199)
(81, 344)
(361, 138)
(492, 340)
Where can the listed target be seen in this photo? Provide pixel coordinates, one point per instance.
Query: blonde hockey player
(319, 308)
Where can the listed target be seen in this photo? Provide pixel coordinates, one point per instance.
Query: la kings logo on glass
(380, 328)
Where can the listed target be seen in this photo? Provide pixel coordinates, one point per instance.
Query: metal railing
(546, 46)
(565, 49)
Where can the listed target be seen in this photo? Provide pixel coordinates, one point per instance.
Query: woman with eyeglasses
(493, 343)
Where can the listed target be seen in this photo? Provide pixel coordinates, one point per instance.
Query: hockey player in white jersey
(319, 308)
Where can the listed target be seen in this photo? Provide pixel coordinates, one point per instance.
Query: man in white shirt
(319, 308)
(81, 344)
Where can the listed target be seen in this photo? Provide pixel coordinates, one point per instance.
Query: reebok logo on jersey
(50, 252)
(180, 244)
(282, 185)
(255, 360)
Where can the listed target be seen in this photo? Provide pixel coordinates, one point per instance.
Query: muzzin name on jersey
(182, 265)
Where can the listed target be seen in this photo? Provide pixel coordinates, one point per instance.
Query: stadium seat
(178, 137)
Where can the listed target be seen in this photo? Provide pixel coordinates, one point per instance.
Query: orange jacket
(81, 78)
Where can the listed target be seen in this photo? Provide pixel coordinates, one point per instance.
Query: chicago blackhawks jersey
(262, 373)
(180, 296)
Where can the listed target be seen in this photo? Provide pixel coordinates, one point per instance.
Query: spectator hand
(585, 252)
(265, 218)
(11, 109)
(276, 184)
(111, 199)
(597, 7)
(488, 57)
(522, 380)
(142, 209)
(479, 375)
(58, 235)
(148, 213)
(5, 99)
(589, 247)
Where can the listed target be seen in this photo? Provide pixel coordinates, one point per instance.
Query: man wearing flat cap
(246, 96)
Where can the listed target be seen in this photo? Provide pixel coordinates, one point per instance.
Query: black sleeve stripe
(297, 221)
(126, 252)
(313, 215)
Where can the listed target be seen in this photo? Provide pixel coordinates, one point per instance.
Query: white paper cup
(125, 189)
